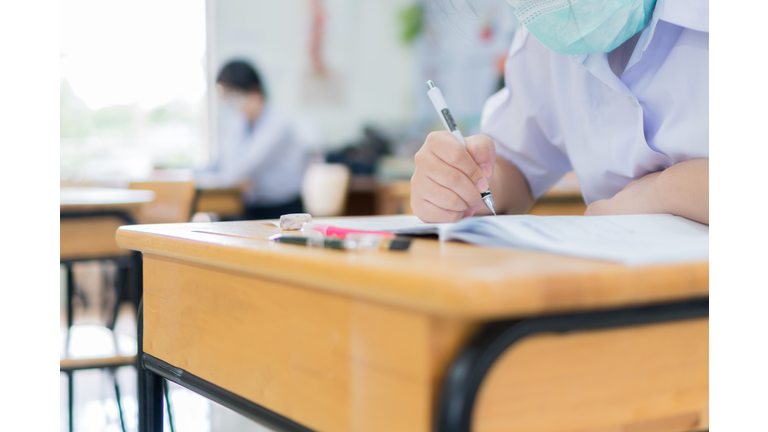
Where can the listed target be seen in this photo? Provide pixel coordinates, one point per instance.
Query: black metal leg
(117, 398)
(71, 400)
(469, 368)
(137, 288)
(168, 404)
(120, 279)
(105, 286)
(150, 386)
(70, 312)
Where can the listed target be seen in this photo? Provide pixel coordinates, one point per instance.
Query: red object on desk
(329, 230)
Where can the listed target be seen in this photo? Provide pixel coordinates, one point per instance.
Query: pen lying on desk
(351, 242)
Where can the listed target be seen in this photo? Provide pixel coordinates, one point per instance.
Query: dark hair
(239, 74)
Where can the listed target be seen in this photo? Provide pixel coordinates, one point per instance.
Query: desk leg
(150, 386)
(71, 400)
(138, 281)
(466, 373)
(70, 308)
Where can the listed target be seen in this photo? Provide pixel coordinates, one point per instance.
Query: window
(133, 87)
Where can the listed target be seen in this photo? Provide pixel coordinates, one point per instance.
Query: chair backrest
(172, 204)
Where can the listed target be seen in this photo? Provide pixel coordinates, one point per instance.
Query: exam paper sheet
(629, 239)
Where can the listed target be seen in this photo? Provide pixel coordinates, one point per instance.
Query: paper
(629, 239)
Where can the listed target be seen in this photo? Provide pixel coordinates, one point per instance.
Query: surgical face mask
(583, 26)
(234, 101)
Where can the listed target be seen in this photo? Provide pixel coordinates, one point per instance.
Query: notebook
(628, 239)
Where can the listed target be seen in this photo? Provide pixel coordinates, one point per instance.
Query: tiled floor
(95, 408)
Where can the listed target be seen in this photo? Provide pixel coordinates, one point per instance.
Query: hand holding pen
(451, 181)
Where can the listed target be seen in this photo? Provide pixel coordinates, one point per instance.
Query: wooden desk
(88, 220)
(441, 337)
(227, 203)
(564, 198)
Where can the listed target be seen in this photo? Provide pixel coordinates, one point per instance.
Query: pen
(436, 96)
(352, 242)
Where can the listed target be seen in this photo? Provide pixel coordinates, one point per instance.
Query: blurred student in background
(258, 151)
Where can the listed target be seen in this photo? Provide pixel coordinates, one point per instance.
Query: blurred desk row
(178, 200)
(369, 196)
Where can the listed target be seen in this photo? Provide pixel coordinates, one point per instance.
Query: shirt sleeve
(521, 120)
(264, 143)
(239, 163)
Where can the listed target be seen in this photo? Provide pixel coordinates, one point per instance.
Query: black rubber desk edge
(467, 371)
(221, 396)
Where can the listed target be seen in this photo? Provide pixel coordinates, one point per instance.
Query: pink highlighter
(328, 230)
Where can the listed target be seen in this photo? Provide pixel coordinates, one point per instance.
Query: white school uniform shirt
(267, 155)
(559, 113)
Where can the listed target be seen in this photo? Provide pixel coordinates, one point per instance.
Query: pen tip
(488, 200)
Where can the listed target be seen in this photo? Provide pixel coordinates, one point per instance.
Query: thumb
(483, 152)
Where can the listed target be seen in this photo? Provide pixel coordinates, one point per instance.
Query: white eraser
(294, 221)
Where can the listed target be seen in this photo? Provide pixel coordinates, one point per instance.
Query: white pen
(450, 125)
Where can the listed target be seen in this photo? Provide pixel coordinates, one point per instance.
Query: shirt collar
(692, 14)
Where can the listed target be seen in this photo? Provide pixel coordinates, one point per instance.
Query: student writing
(615, 90)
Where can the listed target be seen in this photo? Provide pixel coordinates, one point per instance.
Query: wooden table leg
(150, 386)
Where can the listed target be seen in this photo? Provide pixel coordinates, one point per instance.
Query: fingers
(449, 150)
(448, 180)
(444, 197)
(433, 202)
(430, 213)
(483, 152)
(453, 180)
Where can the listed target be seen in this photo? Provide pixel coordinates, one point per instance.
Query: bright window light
(133, 84)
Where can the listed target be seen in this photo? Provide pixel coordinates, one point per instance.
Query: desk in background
(446, 336)
(564, 198)
(227, 203)
(367, 196)
(88, 220)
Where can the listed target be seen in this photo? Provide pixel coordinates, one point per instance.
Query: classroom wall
(372, 71)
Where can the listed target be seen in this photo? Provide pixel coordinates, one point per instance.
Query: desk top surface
(88, 198)
(444, 278)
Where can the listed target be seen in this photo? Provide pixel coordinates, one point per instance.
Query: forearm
(683, 190)
(510, 190)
